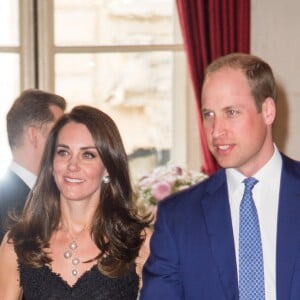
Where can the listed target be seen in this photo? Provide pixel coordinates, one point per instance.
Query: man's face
(237, 135)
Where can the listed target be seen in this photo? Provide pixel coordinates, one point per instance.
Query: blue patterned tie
(251, 272)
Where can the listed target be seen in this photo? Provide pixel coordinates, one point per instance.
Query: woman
(80, 234)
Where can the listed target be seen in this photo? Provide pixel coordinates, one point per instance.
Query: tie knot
(250, 182)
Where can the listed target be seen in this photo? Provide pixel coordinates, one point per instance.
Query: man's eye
(231, 113)
(207, 114)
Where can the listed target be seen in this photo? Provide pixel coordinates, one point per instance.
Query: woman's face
(77, 167)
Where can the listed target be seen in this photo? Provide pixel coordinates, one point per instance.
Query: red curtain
(212, 28)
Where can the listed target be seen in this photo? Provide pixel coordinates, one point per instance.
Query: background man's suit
(13, 194)
(196, 248)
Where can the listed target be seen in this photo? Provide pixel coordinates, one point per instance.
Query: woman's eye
(89, 155)
(62, 152)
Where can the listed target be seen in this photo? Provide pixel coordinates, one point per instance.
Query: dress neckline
(80, 278)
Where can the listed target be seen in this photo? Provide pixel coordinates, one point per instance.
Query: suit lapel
(219, 226)
(288, 228)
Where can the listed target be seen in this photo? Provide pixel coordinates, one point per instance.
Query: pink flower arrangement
(162, 182)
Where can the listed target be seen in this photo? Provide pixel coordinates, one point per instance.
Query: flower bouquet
(162, 182)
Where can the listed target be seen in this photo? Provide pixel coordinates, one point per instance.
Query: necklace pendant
(74, 272)
(73, 245)
(71, 252)
(67, 254)
(75, 261)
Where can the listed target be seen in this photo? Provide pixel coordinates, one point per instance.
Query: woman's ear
(269, 110)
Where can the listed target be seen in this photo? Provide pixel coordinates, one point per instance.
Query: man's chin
(225, 163)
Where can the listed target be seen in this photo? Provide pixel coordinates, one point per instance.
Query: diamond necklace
(71, 252)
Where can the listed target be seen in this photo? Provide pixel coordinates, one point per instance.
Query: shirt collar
(273, 166)
(28, 177)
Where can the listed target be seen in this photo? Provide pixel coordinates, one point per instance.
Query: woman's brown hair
(116, 228)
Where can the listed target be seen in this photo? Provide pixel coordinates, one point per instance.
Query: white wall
(275, 36)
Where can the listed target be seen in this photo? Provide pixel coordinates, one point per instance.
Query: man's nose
(218, 127)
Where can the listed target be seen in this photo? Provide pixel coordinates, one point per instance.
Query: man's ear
(32, 137)
(269, 110)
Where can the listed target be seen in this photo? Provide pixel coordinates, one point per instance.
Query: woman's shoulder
(7, 252)
(9, 275)
(143, 253)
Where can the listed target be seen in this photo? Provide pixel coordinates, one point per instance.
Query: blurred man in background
(29, 121)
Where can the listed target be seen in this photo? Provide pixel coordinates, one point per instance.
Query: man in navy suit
(29, 122)
(194, 250)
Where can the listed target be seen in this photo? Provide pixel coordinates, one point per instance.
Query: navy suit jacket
(13, 194)
(192, 248)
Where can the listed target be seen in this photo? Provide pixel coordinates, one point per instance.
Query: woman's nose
(73, 164)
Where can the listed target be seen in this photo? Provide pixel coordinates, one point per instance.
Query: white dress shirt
(266, 198)
(28, 177)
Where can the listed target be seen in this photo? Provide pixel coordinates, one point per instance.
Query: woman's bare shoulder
(9, 275)
(7, 252)
(144, 252)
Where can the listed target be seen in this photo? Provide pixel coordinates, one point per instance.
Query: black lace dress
(43, 284)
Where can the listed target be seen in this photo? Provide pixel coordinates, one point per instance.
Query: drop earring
(106, 179)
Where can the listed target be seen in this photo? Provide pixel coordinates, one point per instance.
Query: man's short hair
(257, 72)
(31, 108)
